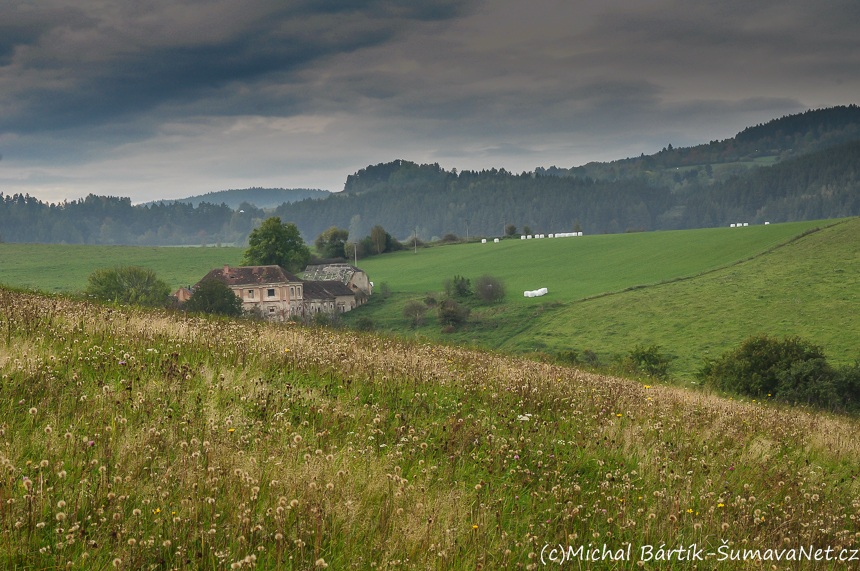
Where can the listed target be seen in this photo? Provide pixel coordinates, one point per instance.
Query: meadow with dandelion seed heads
(140, 439)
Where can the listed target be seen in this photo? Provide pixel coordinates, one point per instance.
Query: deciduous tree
(277, 244)
(330, 244)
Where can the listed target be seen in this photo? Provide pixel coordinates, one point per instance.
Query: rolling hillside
(810, 287)
(807, 287)
(573, 268)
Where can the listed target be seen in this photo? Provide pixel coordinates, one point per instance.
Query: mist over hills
(799, 167)
(259, 197)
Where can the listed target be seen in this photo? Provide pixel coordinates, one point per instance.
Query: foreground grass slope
(64, 268)
(137, 440)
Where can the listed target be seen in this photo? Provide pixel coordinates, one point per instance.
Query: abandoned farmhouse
(279, 295)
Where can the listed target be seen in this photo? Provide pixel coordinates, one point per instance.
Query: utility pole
(415, 240)
(467, 229)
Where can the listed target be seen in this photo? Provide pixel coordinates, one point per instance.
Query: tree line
(427, 202)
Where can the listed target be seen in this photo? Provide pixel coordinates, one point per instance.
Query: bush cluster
(790, 369)
(649, 360)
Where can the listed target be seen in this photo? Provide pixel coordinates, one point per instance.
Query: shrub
(384, 289)
(450, 239)
(430, 301)
(568, 357)
(129, 285)
(321, 319)
(452, 313)
(213, 296)
(414, 312)
(590, 357)
(461, 287)
(511, 230)
(761, 363)
(490, 289)
(648, 360)
(364, 323)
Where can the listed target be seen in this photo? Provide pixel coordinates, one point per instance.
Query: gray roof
(325, 290)
(328, 272)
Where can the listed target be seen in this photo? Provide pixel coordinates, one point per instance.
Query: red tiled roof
(257, 275)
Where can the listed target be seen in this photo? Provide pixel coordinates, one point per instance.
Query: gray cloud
(72, 65)
(149, 96)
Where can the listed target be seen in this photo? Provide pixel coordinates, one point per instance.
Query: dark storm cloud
(66, 65)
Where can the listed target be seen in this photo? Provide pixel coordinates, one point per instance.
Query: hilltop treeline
(693, 187)
(821, 185)
(260, 197)
(781, 139)
(114, 220)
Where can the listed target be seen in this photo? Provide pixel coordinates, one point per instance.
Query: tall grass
(145, 440)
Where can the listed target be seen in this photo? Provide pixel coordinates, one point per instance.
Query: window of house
(271, 310)
(292, 292)
(271, 293)
(250, 294)
(299, 290)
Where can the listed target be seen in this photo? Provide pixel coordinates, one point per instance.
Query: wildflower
(33, 410)
(61, 516)
(321, 563)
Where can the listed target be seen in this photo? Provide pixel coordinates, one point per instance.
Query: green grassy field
(808, 287)
(61, 268)
(574, 268)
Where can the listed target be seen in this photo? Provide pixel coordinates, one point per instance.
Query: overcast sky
(167, 99)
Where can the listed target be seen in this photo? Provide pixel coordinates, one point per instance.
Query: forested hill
(403, 196)
(825, 184)
(777, 140)
(259, 197)
(114, 220)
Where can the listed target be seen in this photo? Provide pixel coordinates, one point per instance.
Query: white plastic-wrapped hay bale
(766, 223)
(579, 234)
(483, 240)
(731, 225)
(495, 240)
(746, 223)
(522, 237)
(529, 236)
